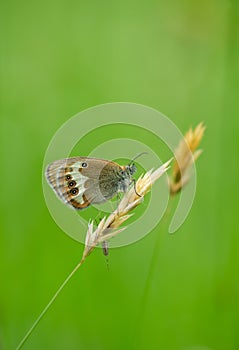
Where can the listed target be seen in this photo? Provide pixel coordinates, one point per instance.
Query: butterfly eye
(74, 191)
(84, 165)
(68, 177)
(71, 183)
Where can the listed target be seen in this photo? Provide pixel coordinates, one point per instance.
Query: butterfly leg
(134, 182)
(118, 202)
(105, 247)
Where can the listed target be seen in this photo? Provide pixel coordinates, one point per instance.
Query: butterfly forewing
(81, 181)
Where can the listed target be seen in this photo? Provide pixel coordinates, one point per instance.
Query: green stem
(27, 335)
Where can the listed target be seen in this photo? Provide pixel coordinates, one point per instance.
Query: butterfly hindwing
(76, 181)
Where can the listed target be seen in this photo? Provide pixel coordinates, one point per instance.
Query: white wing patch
(61, 174)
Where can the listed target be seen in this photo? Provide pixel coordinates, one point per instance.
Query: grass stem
(42, 314)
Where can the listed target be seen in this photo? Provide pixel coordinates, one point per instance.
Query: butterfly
(82, 181)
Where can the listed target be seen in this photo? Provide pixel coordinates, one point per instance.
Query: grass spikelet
(185, 154)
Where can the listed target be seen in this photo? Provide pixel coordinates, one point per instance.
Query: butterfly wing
(81, 181)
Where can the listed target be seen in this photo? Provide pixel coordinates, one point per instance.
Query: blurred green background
(60, 57)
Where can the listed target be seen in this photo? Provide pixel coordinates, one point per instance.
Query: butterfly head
(130, 169)
(126, 177)
(127, 174)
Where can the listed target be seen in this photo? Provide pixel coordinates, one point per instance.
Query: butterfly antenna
(138, 155)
